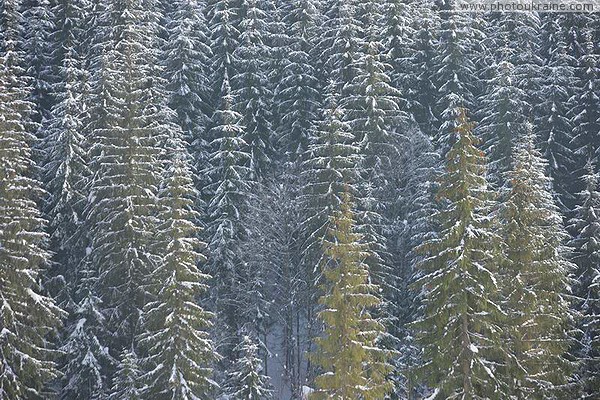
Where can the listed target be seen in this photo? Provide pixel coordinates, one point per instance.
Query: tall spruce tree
(273, 251)
(554, 119)
(337, 44)
(252, 93)
(65, 167)
(126, 162)
(230, 182)
(187, 56)
(586, 255)
(178, 352)
(586, 106)
(39, 37)
(328, 169)
(87, 361)
(247, 381)
(297, 96)
(504, 117)
(352, 363)
(28, 319)
(414, 225)
(126, 381)
(223, 20)
(460, 323)
(535, 275)
(422, 94)
(454, 74)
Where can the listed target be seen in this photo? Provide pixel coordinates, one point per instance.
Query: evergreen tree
(87, 359)
(504, 117)
(126, 166)
(178, 350)
(223, 20)
(535, 274)
(229, 173)
(328, 170)
(126, 381)
(454, 74)
(338, 43)
(297, 95)
(421, 86)
(374, 115)
(586, 249)
(460, 324)
(246, 381)
(252, 94)
(554, 119)
(40, 21)
(353, 365)
(28, 319)
(65, 162)
(586, 106)
(187, 56)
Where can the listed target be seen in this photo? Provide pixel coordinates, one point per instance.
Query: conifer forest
(298, 200)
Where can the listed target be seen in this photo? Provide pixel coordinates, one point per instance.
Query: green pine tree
(179, 351)
(352, 363)
(247, 380)
(535, 275)
(27, 317)
(460, 324)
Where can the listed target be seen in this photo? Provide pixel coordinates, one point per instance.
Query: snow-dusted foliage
(177, 350)
(460, 323)
(28, 318)
(172, 174)
(246, 380)
(353, 364)
(586, 255)
(535, 275)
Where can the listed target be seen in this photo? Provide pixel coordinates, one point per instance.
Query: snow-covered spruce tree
(27, 317)
(252, 92)
(534, 273)
(586, 108)
(126, 385)
(297, 96)
(125, 158)
(370, 101)
(39, 27)
(422, 93)
(337, 43)
(223, 21)
(374, 117)
(65, 165)
(246, 380)
(454, 72)
(586, 256)
(187, 55)
(398, 34)
(554, 120)
(86, 358)
(504, 117)
(329, 168)
(177, 350)
(229, 173)
(459, 327)
(352, 363)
